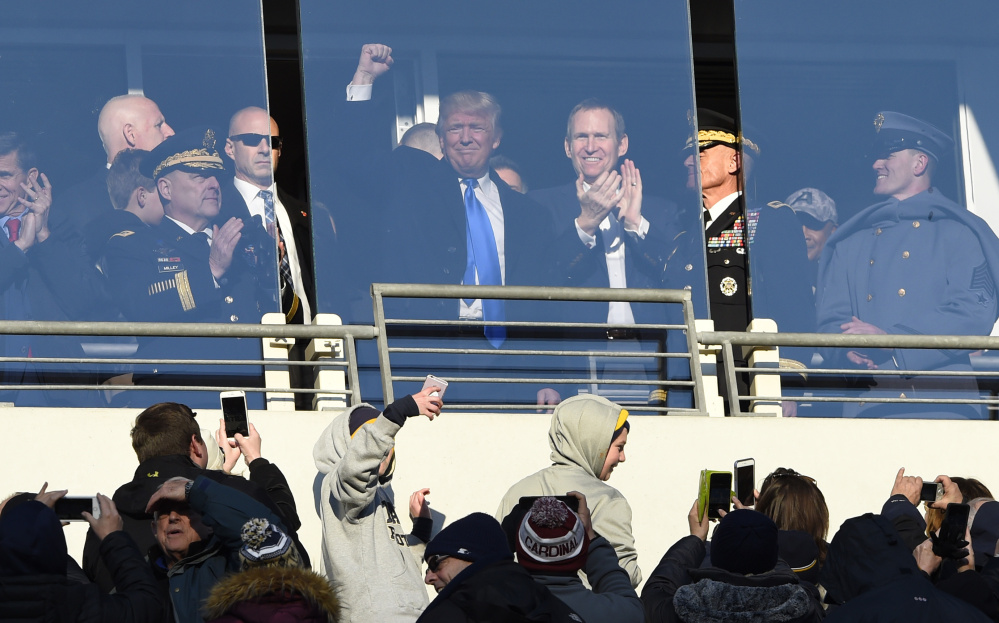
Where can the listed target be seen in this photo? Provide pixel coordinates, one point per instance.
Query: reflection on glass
(867, 140)
(106, 92)
(606, 203)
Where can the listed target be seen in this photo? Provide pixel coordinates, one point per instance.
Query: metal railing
(333, 347)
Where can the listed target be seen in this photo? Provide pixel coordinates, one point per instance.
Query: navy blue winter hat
(477, 537)
(745, 542)
(31, 541)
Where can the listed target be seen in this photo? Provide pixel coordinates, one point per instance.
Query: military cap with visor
(894, 131)
(193, 150)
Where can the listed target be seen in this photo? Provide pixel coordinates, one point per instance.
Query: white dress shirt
(719, 208)
(618, 312)
(255, 204)
(487, 193)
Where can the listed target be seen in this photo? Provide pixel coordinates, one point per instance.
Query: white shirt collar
(719, 208)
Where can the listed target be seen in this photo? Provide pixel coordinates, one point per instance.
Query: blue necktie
(483, 259)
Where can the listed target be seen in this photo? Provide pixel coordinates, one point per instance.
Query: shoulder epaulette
(123, 234)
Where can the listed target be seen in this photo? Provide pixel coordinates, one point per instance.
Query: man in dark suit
(127, 121)
(449, 221)
(40, 279)
(254, 146)
(429, 210)
(188, 270)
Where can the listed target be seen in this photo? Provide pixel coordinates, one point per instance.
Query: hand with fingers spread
(631, 202)
(597, 202)
(37, 200)
(109, 521)
(224, 241)
(376, 59)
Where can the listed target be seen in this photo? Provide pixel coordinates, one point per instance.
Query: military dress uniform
(922, 265)
(162, 274)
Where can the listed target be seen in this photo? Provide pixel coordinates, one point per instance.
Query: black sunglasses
(252, 140)
(434, 562)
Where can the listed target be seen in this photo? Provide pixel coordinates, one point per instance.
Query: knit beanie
(745, 542)
(477, 537)
(552, 538)
(985, 532)
(265, 544)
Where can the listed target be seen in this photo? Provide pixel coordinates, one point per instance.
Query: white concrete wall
(469, 460)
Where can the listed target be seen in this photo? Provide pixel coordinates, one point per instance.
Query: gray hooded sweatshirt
(366, 552)
(580, 436)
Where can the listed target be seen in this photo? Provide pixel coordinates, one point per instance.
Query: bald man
(125, 122)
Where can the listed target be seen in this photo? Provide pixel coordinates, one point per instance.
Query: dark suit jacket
(645, 259)
(300, 215)
(419, 217)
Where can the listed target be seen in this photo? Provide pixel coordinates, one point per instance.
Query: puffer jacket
(273, 595)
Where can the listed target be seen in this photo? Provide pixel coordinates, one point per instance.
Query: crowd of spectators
(187, 540)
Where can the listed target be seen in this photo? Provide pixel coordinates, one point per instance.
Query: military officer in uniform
(187, 270)
(914, 263)
(756, 256)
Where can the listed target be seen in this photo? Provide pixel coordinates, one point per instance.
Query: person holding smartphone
(378, 579)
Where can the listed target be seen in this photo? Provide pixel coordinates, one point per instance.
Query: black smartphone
(745, 481)
(571, 501)
(955, 524)
(931, 492)
(719, 494)
(69, 508)
(234, 413)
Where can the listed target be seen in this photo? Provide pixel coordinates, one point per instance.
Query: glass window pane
(875, 111)
(185, 72)
(400, 216)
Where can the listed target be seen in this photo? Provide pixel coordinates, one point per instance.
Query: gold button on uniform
(689, 267)
(915, 224)
(901, 291)
(228, 299)
(727, 262)
(870, 296)
(905, 255)
(234, 317)
(872, 262)
(877, 232)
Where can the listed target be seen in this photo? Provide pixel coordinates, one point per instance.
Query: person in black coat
(472, 568)
(871, 575)
(33, 581)
(168, 443)
(747, 582)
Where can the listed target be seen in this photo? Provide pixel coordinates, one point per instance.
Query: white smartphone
(745, 481)
(433, 381)
(70, 508)
(234, 414)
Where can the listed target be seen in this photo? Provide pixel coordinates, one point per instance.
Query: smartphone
(931, 492)
(955, 524)
(745, 481)
(714, 494)
(69, 508)
(571, 501)
(433, 381)
(234, 413)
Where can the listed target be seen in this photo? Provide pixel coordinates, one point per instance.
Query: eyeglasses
(252, 140)
(781, 472)
(434, 562)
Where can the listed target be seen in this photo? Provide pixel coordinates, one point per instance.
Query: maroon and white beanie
(552, 538)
